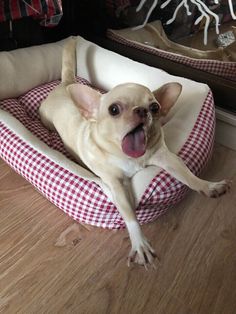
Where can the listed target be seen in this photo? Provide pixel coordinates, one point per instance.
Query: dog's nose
(141, 112)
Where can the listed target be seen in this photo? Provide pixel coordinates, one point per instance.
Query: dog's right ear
(167, 95)
(86, 99)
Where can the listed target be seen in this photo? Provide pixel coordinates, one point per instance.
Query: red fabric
(84, 200)
(48, 11)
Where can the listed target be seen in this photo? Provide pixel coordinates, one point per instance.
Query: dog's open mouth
(134, 142)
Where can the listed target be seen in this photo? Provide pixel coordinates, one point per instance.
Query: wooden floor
(49, 264)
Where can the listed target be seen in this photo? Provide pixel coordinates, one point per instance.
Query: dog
(117, 134)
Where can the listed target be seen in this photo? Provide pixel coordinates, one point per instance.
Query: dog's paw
(216, 189)
(142, 254)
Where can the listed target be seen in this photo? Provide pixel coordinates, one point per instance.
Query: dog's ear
(167, 95)
(86, 98)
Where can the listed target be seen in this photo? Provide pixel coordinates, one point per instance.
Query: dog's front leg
(141, 251)
(177, 168)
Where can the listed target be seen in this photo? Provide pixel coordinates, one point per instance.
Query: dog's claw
(143, 255)
(217, 189)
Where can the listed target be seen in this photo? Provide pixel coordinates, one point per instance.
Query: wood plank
(50, 264)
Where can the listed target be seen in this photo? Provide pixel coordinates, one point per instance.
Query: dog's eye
(114, 109)
(154, 108)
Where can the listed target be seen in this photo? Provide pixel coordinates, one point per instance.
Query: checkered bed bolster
(81, 199)
(220, 68)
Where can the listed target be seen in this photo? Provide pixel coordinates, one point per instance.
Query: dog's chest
(128, 166)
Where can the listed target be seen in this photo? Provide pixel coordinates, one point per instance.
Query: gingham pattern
(220, 68)
(84, 200)
(25, 109)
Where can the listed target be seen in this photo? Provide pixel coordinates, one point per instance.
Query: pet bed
(145, 40)
(40, 157)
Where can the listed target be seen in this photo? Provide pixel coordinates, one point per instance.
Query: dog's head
(126, 116)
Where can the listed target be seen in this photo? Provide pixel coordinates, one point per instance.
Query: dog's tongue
(134, 143)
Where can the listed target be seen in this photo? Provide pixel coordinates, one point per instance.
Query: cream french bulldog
(117, 134)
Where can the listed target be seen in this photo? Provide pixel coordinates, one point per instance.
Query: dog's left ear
(86, 99)
(167, 95)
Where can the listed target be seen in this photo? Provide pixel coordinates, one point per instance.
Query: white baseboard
(226, 128)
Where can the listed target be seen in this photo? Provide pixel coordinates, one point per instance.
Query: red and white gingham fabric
(220, 68)
(84, 200)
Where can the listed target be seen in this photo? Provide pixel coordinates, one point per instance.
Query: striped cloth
(48, 11)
